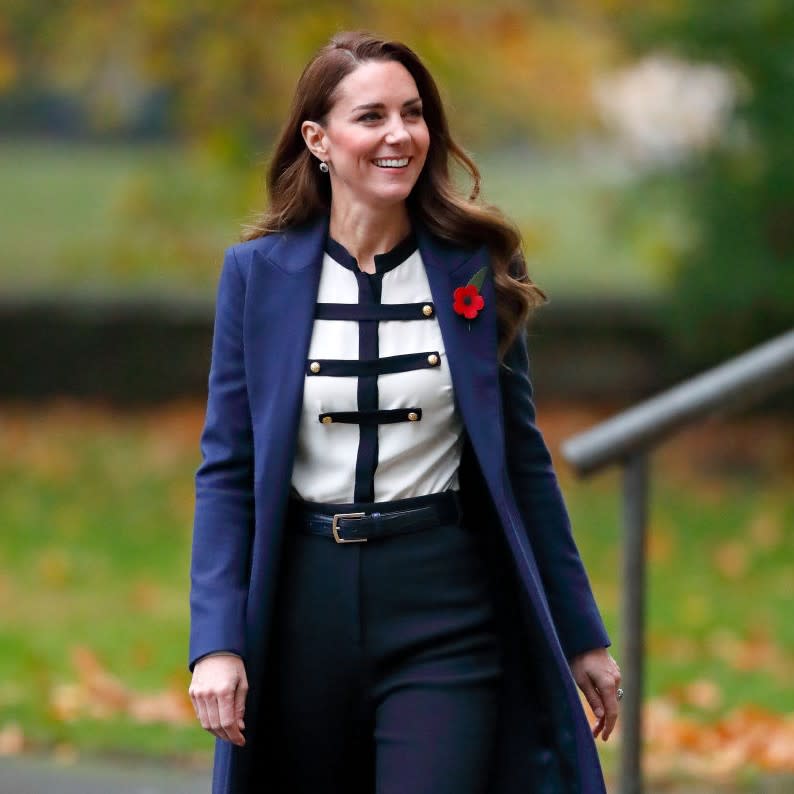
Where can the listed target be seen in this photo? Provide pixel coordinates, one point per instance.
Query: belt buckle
(335, 528)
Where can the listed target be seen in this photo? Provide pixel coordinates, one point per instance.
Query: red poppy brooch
(468, 301)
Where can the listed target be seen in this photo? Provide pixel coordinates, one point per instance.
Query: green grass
(697, 608)
(115, 217)
(93, 553)
(96, 512)
(577, 235)
(146, 218)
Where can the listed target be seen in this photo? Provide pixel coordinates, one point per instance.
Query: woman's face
(375, 139)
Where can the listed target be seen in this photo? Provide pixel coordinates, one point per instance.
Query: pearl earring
(324, 167)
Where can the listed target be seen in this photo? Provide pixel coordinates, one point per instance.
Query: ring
(619, 693)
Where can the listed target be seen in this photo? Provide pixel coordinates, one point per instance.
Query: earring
(323, 167)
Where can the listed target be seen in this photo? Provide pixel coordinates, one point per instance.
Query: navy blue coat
(263, 323)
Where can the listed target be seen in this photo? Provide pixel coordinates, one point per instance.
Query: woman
(386, 596)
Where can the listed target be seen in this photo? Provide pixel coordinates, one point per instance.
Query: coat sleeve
(224, 509)
(543, 511)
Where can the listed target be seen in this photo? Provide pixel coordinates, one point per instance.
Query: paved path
(38, 776)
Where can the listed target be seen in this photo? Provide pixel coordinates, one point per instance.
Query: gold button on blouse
(327, 420)
(432, 359)
(315, 366)
(413, 416)
(427, 310)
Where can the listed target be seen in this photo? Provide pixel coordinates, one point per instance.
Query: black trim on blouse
(375, 311)
(384, 416)
(383, 262)
(385, 365)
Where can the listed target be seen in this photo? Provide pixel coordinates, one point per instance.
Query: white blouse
(378, 420)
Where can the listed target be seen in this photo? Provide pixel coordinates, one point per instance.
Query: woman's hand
(218, 691)
(598, 676)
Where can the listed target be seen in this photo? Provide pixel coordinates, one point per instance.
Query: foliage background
(713, 234)
(133, 134)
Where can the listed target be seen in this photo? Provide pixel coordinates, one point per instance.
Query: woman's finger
(594, 699)
(607, 688)
(229, 720)
(239, 701)
(214, 716)
(201, 710)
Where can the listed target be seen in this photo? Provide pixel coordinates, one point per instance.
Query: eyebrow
(380, 105)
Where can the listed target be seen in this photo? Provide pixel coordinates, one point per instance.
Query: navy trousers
(387, 663)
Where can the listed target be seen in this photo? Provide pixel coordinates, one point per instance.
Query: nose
(397, 132)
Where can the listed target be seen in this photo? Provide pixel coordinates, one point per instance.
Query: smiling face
(374, 138)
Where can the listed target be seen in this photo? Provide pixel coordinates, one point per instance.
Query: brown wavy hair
(298, 191)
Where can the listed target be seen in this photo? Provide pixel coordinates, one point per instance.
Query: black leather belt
(381, 521)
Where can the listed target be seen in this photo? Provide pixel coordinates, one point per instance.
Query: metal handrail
(741, 380)
(628, 439)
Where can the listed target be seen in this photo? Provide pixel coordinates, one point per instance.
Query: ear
(314, 136)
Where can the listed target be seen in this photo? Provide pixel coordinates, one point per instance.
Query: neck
(365, 232)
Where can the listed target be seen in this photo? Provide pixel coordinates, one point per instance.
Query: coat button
(413, 416)
(432, 359)
(427, 310)
(327, 420)
(315, 366)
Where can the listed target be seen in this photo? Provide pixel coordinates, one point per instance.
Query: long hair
(298, 191)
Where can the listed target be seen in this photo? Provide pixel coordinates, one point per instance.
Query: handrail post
(635, 520)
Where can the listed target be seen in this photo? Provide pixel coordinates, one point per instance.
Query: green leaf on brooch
(478, 278)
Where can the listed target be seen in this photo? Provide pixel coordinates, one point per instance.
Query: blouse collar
(383, 262)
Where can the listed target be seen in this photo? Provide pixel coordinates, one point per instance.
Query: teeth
(402, 162)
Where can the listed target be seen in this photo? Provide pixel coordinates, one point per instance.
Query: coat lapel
(282, 291)
(471, 347)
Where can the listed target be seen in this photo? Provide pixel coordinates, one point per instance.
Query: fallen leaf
(66, 754)
(661, 542)
(766, 530)
(12, 739)
(731, 559)
(702, 694)
(718, 750)
(100, 695)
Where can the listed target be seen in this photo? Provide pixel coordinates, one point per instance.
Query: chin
(396, 195)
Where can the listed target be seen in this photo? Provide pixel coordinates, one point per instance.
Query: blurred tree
(515, 69)
(734, 285)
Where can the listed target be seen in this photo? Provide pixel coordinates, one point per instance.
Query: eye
(415, 112)
(371, 116)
